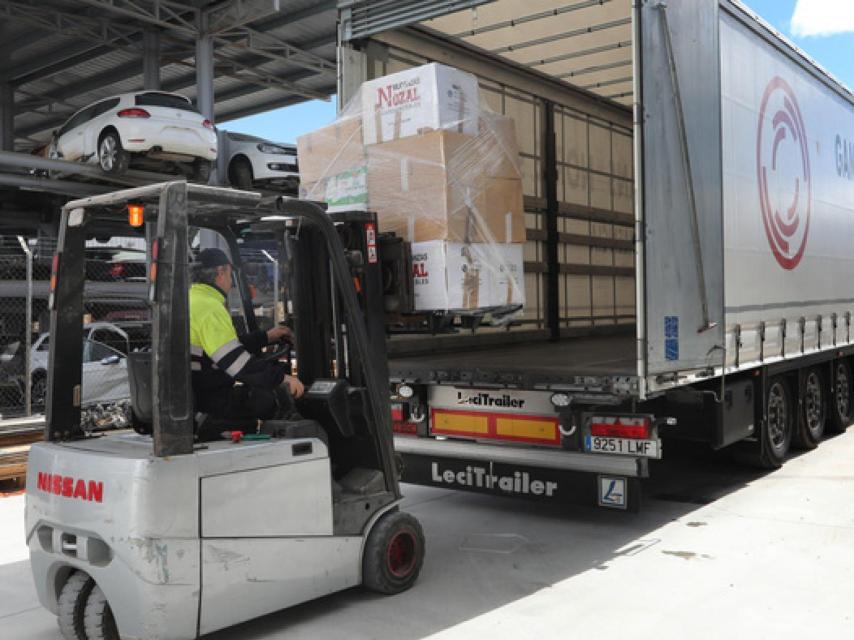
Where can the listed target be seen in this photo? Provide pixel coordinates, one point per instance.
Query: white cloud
(822, 17)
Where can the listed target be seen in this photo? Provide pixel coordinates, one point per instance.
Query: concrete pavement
(718, 551)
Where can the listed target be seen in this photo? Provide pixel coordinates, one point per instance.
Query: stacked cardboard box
(439, 171)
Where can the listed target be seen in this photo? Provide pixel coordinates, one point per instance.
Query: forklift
(160, 534)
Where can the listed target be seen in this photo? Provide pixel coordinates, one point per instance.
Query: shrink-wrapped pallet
(441, 171)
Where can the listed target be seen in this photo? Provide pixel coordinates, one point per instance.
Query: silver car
(105, 375)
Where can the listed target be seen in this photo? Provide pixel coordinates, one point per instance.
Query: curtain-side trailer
(689, 194)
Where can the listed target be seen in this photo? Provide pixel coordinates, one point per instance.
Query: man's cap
(209, 258)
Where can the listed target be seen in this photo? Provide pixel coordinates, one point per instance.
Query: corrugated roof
(65, 54)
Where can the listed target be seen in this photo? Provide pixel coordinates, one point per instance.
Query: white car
(105, 373)
(149, 128)
(254, 160)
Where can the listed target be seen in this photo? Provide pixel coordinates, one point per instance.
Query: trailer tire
(98, 620)
(72, 605)
(841, 397)
(813, 415)
(777, 425)
(394, 553)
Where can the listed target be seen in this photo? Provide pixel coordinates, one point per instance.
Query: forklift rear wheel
(394, 553)
(72, 605)
(98, 620)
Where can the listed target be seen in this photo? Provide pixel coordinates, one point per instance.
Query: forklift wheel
(72, 603)
(394, 553)
(98, 621)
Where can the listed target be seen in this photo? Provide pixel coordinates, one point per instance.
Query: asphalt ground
(717, 551)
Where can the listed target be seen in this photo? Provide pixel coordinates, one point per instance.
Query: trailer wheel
(394, 553)
(98, 620)
(777, 427)
(813, 418)
(72, 605)
(841, 398)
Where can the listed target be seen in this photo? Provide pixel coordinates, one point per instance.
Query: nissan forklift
(163, 534)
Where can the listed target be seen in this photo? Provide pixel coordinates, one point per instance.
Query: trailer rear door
(680, 264)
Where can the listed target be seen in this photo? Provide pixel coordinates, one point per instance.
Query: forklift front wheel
(394, 553)
(98, 620)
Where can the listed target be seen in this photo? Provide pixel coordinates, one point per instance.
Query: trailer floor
(717, 552)
(598, 355)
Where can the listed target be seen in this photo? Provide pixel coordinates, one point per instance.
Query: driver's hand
(294, 385)
(278, 333)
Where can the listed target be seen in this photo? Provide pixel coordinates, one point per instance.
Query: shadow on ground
(484, 552)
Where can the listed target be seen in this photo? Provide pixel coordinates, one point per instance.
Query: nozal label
(398, 94)
(519, 483)
(69, 487)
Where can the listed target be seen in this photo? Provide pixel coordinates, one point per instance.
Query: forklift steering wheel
(283, 348)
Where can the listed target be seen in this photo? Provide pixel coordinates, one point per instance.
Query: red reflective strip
(492, 426)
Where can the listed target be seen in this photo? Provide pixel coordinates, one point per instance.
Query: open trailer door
(680, 204)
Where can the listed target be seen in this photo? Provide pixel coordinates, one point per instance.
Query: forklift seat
(139, 379)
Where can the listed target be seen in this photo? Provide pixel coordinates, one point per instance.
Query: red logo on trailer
(783, 173)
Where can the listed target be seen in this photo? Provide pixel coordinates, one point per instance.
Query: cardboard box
(508, 279)
(331, 150)
(499, 150)
(466, 276)
(432, 96)
(432, 187)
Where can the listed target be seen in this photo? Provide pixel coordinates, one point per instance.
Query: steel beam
(234, 14)
(7, 117)
(291, 17)
(22, 72)
(151, 59)
(265, 106)
(274, 49)
(167, 15)
(245, 73)
(90, 31)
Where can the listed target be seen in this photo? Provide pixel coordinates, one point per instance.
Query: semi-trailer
(688, 249)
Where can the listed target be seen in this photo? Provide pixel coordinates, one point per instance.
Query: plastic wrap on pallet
(441, 170)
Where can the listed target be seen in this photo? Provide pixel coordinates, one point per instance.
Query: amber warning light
(136, 215)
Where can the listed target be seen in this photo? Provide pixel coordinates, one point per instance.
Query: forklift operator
(219, 357)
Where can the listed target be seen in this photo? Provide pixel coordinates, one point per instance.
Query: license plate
(623, 446)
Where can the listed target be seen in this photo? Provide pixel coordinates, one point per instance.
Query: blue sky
(812, 27)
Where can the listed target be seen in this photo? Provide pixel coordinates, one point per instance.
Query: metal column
(7, 117)
(204, 70)
(552, 234)
(151, 60)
